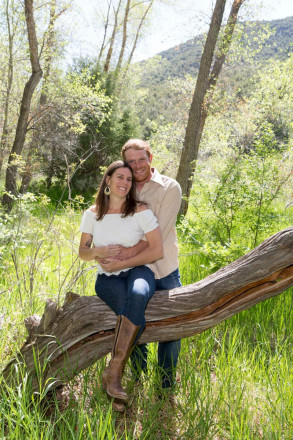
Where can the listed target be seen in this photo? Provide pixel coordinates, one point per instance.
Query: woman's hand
(111, 250)
(88, 253)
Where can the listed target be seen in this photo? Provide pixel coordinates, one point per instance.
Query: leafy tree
(49, 54)
(123, 24)
(12, 33)
(72, 102)
(22, 124)
(107, 134)
(238, 199)
(38, 48)
(242, 188)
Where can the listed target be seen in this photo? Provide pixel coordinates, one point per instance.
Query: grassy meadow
(234, 381)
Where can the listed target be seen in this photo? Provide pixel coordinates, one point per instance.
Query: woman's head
(118, 171)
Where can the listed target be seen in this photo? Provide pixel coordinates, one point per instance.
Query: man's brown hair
(136, 144)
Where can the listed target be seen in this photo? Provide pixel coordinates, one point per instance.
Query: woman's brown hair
(102, 200)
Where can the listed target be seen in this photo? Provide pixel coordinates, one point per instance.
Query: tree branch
(69, 339)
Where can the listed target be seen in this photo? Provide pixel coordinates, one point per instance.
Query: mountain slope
(185, 58)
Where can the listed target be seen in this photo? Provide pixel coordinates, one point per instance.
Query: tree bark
(69, 339)
(49, 48)
(105, 34)
(141, 22)
(4, 137)
(124, 36)
(21, 129)
(112, 39)
(200, 105)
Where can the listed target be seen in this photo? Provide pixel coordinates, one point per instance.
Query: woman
(118, 219)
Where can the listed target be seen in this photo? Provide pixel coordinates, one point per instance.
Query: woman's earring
(107, 191)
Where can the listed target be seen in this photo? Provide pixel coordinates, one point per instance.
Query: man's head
(136, 144)
(138, 155)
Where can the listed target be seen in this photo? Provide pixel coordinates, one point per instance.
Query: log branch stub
(32, 325)
(49, 316)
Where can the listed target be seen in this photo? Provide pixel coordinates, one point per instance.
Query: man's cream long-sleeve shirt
(163, 196)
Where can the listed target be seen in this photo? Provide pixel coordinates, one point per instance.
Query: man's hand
(129, 252)
(111, 264)
(125, 253)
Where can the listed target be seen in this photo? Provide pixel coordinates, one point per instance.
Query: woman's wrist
(97, 252)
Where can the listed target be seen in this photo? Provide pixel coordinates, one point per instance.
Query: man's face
(140, 163)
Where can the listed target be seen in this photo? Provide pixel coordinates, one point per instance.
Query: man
(163, 196)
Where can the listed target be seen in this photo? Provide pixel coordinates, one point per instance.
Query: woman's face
(120, 182)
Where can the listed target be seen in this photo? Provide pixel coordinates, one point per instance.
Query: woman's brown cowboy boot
(119, 405)
(125, 334)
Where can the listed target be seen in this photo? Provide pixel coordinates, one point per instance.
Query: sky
(170, 25)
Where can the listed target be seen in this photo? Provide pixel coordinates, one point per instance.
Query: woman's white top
(115, 229)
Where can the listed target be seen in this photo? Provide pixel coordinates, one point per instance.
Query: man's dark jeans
(168, 352)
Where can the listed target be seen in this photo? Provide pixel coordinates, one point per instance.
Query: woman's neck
(115, 206)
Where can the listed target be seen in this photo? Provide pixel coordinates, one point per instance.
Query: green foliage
(74, 101)
(238, 201)
(107, 135)
(34, 238)
(272, 96)
(166, 141)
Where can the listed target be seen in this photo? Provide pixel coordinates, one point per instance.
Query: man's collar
(157, 177)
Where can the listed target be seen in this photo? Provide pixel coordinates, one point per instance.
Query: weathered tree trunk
(124, 36)
(27, 174)
(21, 129)
(105, 33)
(141, 22)
(112, 39)
(69, 339)
(4, 137)
(206, 80)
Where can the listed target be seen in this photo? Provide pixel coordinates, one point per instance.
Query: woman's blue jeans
(128, 293)
(168, 352)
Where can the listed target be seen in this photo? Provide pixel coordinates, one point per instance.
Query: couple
(134, 201)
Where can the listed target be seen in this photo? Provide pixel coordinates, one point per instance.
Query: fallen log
(69, 339)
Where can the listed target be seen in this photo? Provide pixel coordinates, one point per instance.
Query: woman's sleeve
(147, 221)
(87, 222)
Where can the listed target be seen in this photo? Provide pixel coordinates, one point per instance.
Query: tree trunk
(49, 47)
(200, 105)
(112, 39)
(141, 22)
(69, 339)
(4, 137)
(124, 36)
(21, 129)
(105, 33)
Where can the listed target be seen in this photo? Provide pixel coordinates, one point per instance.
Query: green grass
(234, 381)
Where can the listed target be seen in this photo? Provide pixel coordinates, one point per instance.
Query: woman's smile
(120, 182)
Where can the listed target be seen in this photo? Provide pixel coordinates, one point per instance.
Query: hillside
(185, 58)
